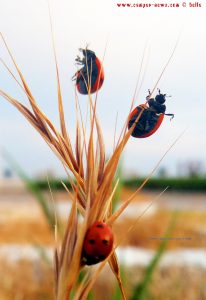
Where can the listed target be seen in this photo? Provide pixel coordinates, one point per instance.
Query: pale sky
(126, 31)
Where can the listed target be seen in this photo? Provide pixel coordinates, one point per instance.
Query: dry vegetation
(34, 281)
(92, 179)
(182, 282)
(33, 228)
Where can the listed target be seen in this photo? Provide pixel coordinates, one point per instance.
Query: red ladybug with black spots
(98, 243)
(152, 115)
(90, 77)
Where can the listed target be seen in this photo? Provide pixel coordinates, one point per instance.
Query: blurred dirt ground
(22, 222)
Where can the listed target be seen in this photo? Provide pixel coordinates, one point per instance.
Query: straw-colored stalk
(91, 181)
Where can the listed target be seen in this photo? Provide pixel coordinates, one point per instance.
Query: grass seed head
(91, 179)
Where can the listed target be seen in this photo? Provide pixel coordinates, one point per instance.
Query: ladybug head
(160, 98)
(88, 54)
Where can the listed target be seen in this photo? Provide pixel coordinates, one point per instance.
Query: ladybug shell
(96, 77)
(98, 243)
(136, 111)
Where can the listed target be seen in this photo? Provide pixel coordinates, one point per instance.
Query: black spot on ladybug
(105, 242)
(92, 242)
(100, 226)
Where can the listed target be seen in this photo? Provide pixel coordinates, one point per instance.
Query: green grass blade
(141, 290)
(81, 277)
(33, 188)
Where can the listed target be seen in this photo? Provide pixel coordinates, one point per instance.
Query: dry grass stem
(90, 175)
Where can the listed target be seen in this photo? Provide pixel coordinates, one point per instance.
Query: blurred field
(22, 220)
(22, 223)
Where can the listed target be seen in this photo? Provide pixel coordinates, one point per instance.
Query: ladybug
(98, 243)
(90, 77)
(152, 115)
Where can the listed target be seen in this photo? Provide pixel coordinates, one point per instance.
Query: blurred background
(125, 35)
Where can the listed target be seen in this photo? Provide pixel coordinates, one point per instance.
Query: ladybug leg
(79, 61)
(74, 77)
(171, 115)
(148, 96)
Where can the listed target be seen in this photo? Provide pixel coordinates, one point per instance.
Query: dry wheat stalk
(91, 181)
